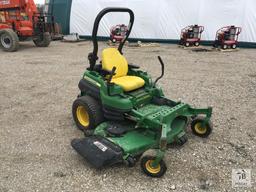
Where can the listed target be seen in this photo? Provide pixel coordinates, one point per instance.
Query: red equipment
(118, 32)
(226, 37)
(19, 20)
(191, 35)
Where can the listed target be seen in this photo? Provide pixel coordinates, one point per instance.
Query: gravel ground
(38, 86)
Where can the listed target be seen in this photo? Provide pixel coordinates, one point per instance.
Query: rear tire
(87, 113)
(43, 42)
(9, 40)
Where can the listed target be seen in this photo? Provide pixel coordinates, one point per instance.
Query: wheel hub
(82, 116)
(199, 129)
(152, 169)
(6, 41)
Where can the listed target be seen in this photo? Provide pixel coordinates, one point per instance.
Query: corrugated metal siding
(60, 9)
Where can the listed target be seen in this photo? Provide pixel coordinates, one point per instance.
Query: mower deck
(134, 138)
(133, 142)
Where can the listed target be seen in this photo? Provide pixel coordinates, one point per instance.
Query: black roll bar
(93, 56)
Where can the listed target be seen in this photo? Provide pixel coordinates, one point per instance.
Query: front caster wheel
(150, 170)
(198, 129)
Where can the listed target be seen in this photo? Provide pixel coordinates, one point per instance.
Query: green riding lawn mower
(124, 114)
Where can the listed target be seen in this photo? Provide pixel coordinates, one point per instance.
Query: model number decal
(100, 146)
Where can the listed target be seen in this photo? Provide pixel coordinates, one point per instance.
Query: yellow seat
(111, 57)
(129, 83)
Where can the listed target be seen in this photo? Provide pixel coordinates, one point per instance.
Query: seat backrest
(111, 57)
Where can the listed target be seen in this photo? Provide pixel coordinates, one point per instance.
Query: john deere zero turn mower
(124, 114)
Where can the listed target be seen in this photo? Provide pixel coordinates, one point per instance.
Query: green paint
(61, 10)
(92, 81)
(136, 142)
(153, 126)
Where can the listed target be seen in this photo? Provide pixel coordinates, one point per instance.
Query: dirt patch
(38, 86)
